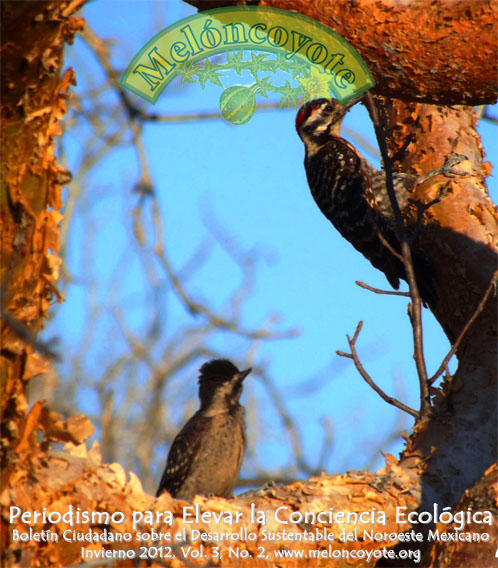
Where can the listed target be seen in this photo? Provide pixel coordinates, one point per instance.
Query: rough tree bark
(449, 458)
(414, 50)
(33, 94)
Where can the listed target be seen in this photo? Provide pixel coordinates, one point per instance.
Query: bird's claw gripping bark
(446, 169)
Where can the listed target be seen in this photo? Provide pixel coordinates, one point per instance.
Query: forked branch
(416, 308)
(367, 378)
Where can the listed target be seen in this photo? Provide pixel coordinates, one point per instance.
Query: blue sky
(250, 180)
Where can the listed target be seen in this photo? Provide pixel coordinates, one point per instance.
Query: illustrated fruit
(237, 104)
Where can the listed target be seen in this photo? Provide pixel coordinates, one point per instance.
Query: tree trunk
(33, 102)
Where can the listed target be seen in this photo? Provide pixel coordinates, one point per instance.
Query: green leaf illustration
(235, 61)
(188, 72)
(262, 85)
(210, 72)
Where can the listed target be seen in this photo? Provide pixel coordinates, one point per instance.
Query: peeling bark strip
(33, 102)
(414, 50)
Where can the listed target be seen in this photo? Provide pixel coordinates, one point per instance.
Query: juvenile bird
(206, 455)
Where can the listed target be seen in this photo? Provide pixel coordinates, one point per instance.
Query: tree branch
(416, 309)
(378, 291)
(472, 319)
(366, 377)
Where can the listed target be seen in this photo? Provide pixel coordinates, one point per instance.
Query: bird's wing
(181, 456)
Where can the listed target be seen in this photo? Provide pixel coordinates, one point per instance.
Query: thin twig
(327, 444)
(288, 423)
(366, 377)
(416, 310)
(378, 291)
(489, 117)
(192, 117)
(386, 243)
(444, 365)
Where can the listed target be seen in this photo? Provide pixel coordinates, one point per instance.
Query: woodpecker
(206, 455)
(352, 194)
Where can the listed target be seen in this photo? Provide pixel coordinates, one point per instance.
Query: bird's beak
(351, 103)
(243, 374)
